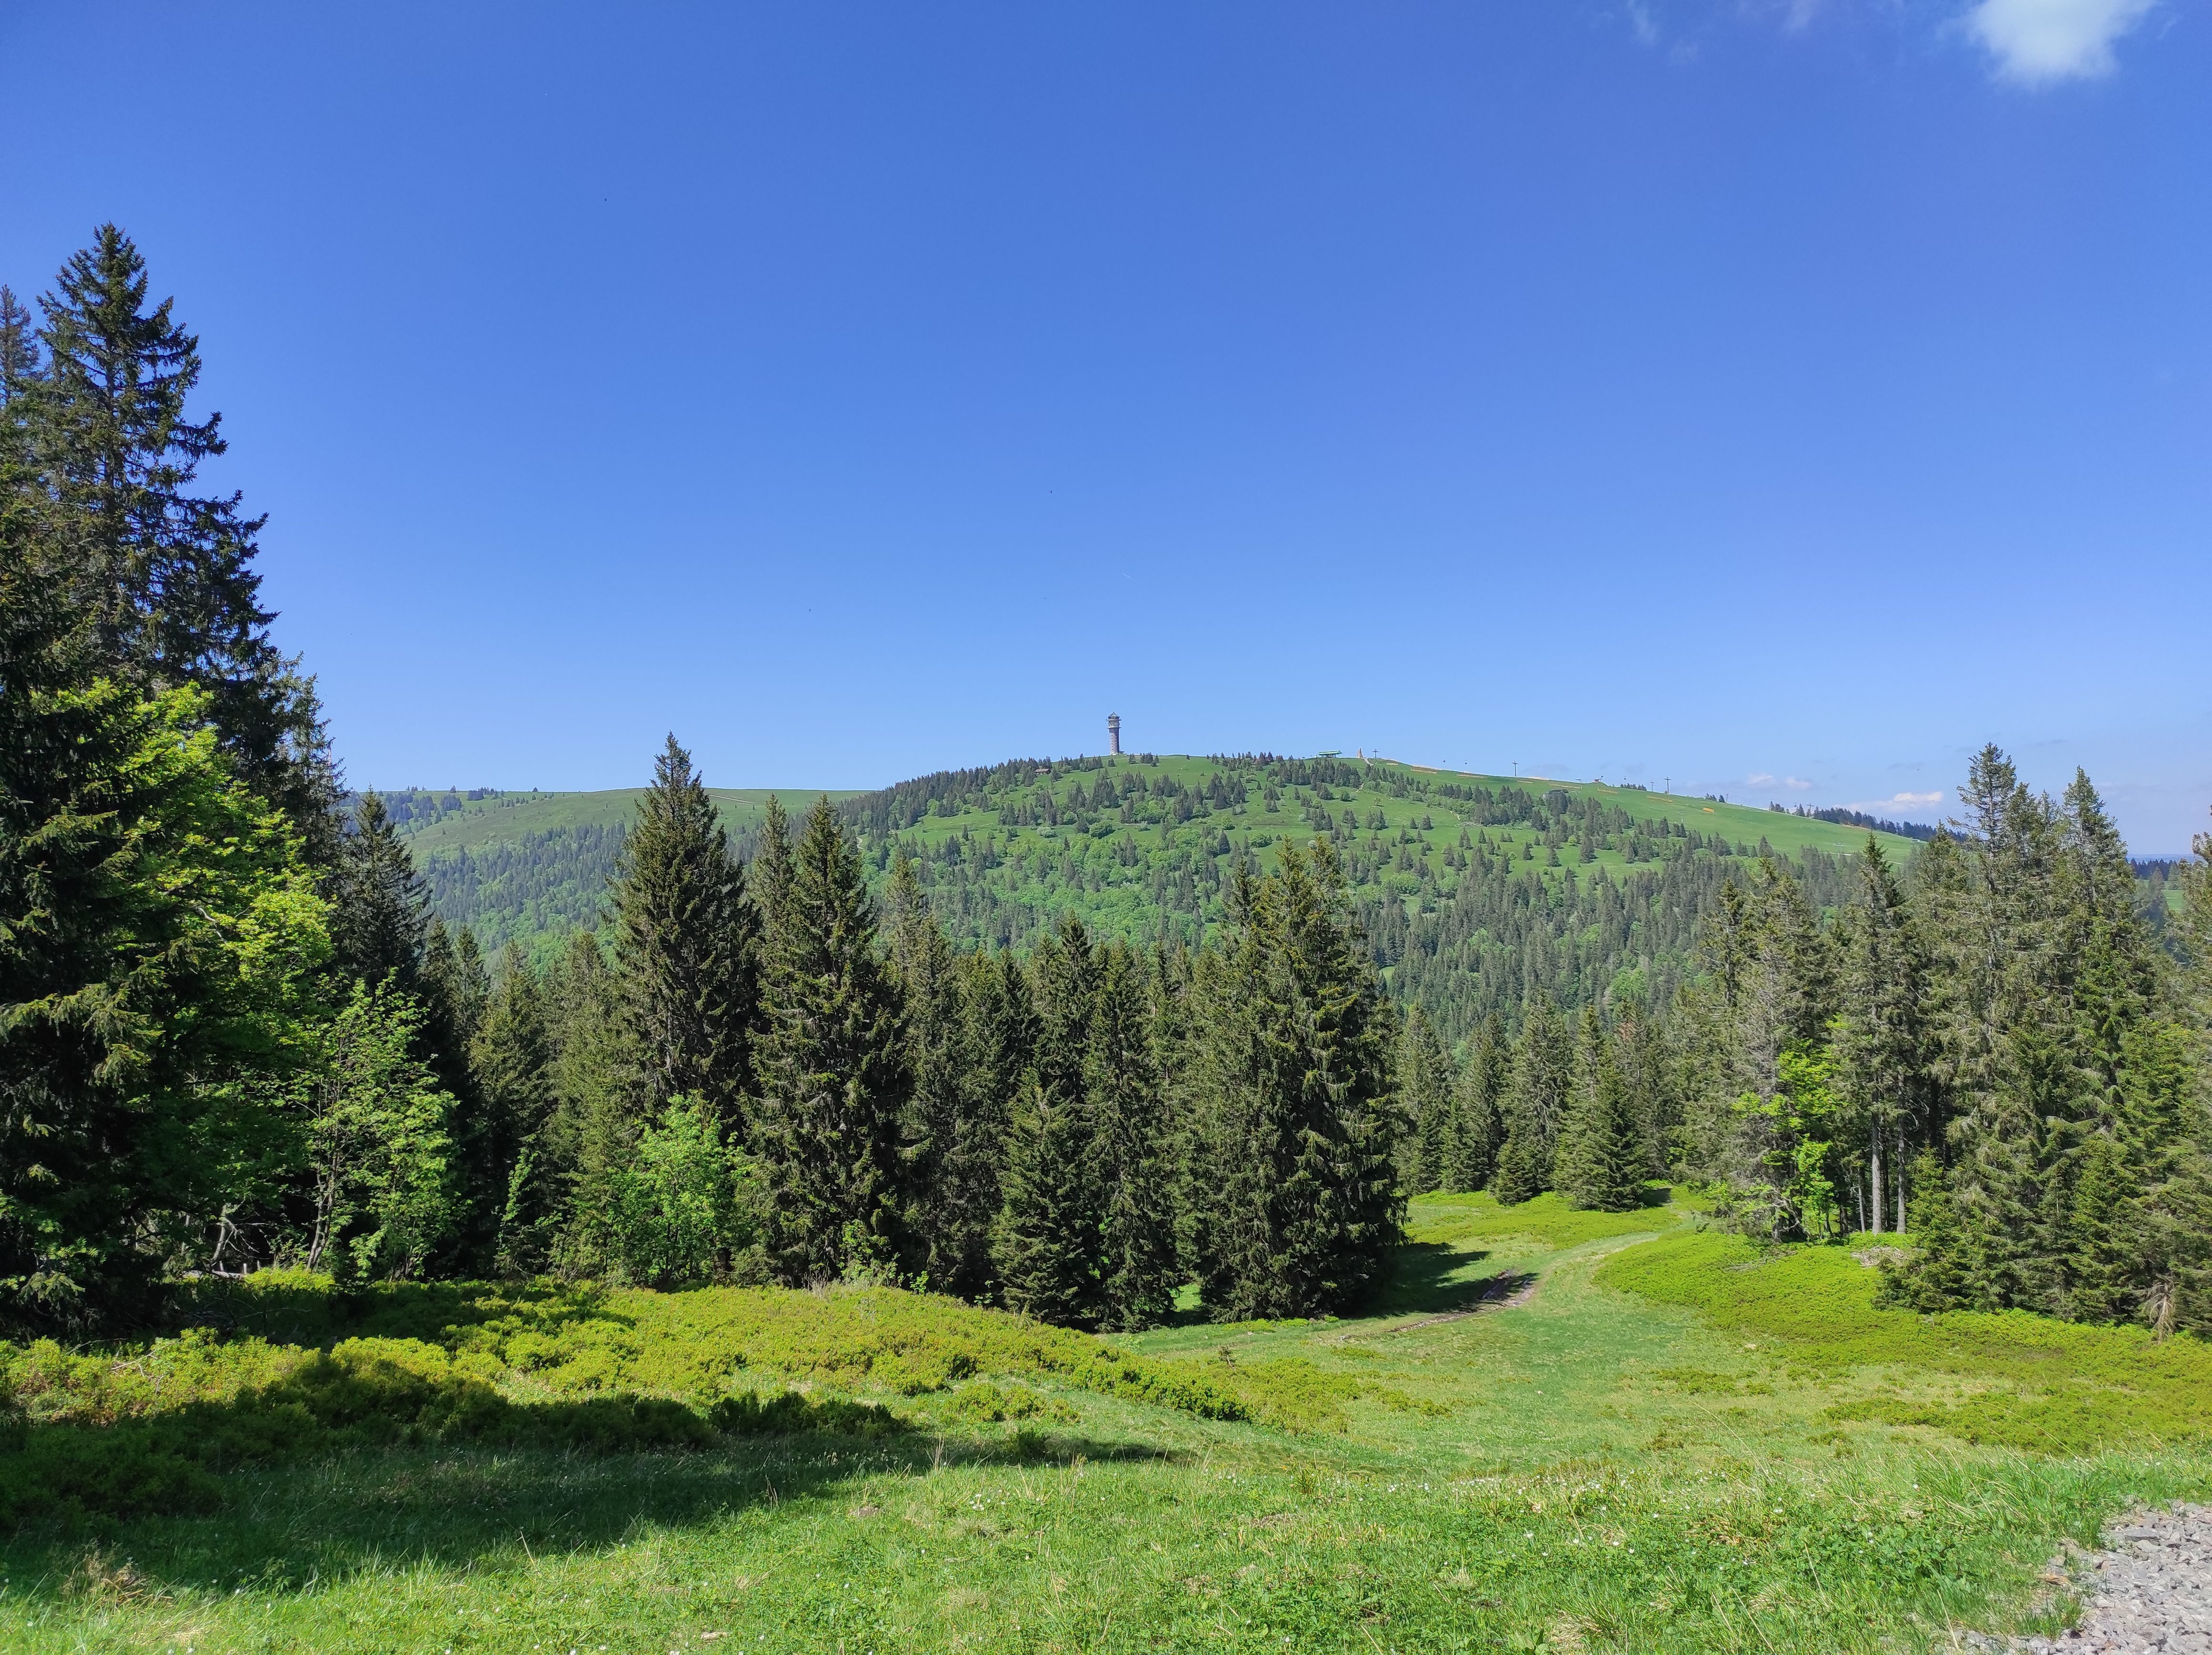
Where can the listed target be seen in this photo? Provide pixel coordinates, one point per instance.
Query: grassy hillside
(1560, 1430)
(1477, 890)
(532, 867)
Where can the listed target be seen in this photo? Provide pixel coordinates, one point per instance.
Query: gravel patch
(2150, 1590)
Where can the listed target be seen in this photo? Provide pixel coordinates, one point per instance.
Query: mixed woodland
(1105, 1041)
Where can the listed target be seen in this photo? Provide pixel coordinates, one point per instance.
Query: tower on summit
(1112, 732)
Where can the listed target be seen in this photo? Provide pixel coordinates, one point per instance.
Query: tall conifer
(1882, 1037)
(117, 453)
(380, 911)
(1600, 1163)
(833, 1082)
(1477, 1129)
(686, 945)
(1049, 1241)
(511, 1062)
(928, 980)
(1425, 1091)
(1137, 1268)
(1302, 1203)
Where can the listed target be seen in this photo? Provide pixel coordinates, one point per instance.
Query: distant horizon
(1921, 815)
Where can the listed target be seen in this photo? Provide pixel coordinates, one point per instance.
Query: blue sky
(1776, 399)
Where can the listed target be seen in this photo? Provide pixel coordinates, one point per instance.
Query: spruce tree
(1138, 1270)
(511, 1066)
(1048, 1242)
(1424, 1093)
(928, 981)
(588, 1142)
(1600, 1164)
(2105, 1280)
(1882, 1037)
(1535, 1103)
(19, 354)
(998, 1039)
(1478, 1131)
(1938, 1278)
(1302, 1203)
(833, 1082)
(379, 910)
(180, 601)
(686, 946)
(156, 934)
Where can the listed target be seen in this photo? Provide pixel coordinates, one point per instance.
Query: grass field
(506, 818)
(1671, 1444)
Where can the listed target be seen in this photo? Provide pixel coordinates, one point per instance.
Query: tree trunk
(1874, 1170)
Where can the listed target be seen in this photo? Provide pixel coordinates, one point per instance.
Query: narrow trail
(1511, 1289)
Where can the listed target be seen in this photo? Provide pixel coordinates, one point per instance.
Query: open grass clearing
(1593, 1469)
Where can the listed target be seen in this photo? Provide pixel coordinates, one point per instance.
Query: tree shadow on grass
(304, 1310)
(285, 1528)
(1430, 1277)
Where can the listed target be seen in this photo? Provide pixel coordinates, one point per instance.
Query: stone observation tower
(1112, 732)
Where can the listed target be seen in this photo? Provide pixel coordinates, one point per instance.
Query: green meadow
(1561, 1431)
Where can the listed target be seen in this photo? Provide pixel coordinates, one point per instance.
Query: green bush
(582, 1340)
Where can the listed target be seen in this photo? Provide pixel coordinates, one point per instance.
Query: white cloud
(1762, 779)
(1898, 803)
(1796, 784)
(2038, 41)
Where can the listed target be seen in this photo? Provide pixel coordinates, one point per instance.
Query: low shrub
(983, 1403)
(580, 1340)
(362, 1393)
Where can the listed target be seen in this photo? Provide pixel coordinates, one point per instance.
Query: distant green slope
(1477, 890)
(530, 867)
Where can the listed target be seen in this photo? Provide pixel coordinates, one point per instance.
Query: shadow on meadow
(274, 1529)
(295, 1308)
(1430, 1278)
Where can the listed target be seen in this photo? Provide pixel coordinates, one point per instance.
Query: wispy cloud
(1908, 804)
(1762, 779)
(2037, 42)
(1796, 784)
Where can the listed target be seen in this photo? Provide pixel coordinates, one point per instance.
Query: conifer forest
(352, 1090)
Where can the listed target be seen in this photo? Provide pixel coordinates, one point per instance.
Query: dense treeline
(755, 1082)
(1995, 1054)
(1993, 1051)
(1475, 898)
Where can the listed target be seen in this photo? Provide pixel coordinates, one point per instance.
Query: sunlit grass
(1593, 1467)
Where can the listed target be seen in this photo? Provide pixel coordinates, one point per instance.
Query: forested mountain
(532, 867)
(1475, 891)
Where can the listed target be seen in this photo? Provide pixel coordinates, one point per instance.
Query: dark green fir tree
(1138, 1271)
(928, 979)
(1425, 1095)
(117, 452)
(508, 1173)
(686, 941)
(1049, 1239)
(1600, 1158)
(833, 1075)
(1478, 1131)
(380, 910)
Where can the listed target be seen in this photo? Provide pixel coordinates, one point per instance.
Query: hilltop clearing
(499, 1470)
(1475, 890)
